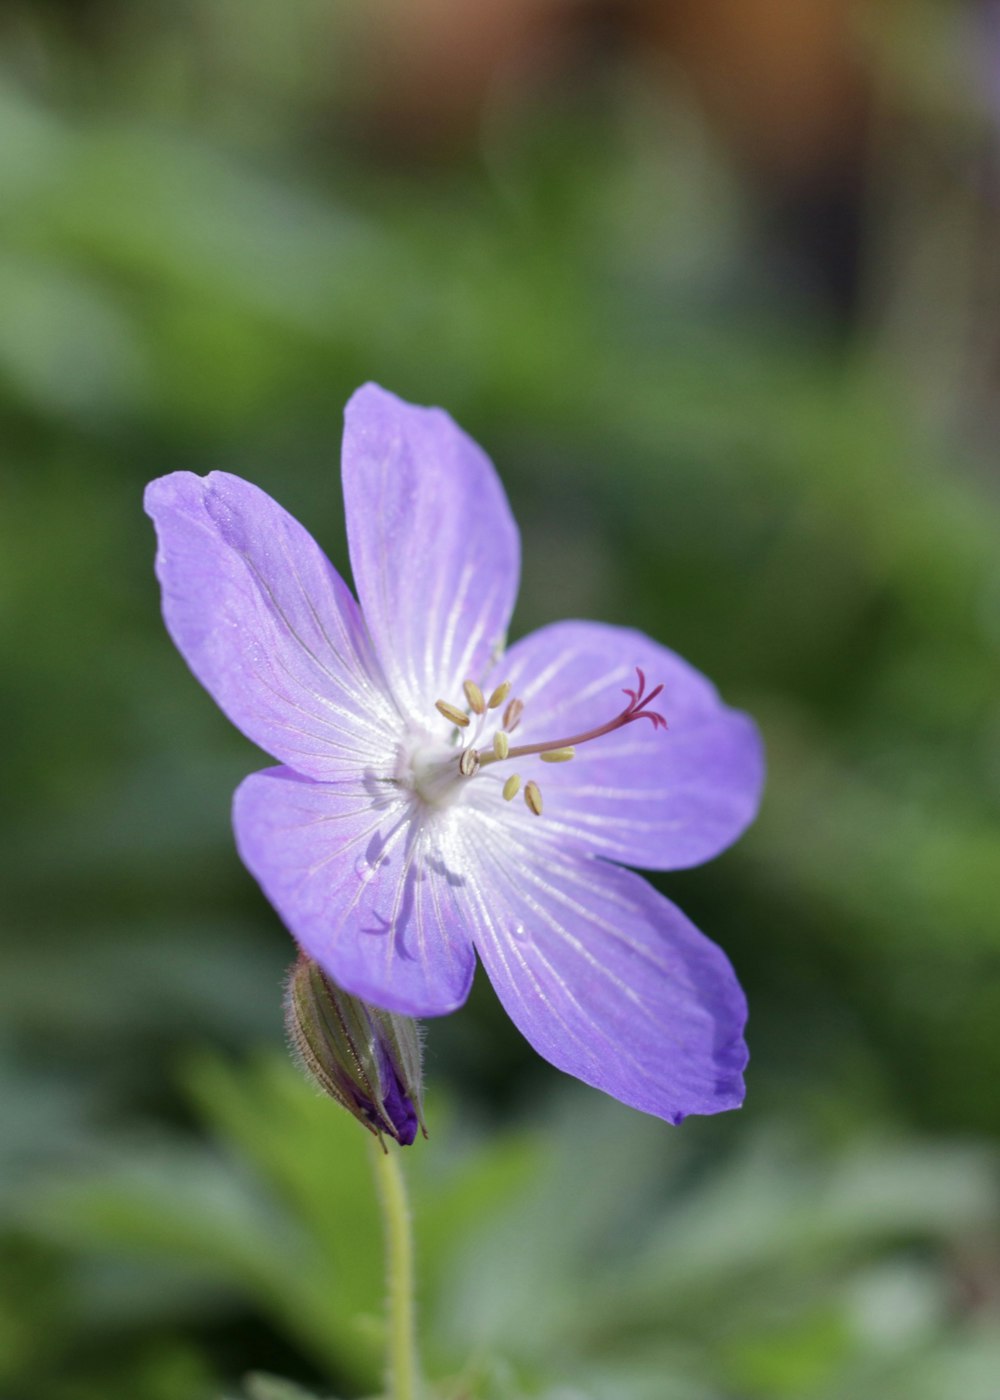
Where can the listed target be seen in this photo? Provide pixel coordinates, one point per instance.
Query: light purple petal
(366, 891)
(267, 625)
(663, 799)
(434, 547)
(606, 978)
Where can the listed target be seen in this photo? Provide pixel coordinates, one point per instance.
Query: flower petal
(367, 891)
(660, 799)
(434, 547)
(266, 623)
(606, 978)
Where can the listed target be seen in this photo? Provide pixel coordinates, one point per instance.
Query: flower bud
(366, 1059)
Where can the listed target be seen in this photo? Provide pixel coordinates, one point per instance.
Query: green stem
(403, 1377)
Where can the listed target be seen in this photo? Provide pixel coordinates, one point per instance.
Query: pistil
(434, 782)
(561, 750)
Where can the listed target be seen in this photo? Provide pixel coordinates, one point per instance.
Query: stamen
(499, 696)
(453, 713)
(501, 744)
(475, 697)
(468, 763)
(533, 797)
(557, 755)
(511, 786)
(512, 715)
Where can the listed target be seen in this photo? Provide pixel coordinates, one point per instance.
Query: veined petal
(606, 978)
(434, 547)
(267, 624)
(367, 889)
(663, 799)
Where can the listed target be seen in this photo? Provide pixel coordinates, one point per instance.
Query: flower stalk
(403, 1381)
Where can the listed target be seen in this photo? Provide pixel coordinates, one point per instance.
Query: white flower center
(429, 768)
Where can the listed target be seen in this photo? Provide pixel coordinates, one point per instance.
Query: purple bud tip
(365, 1058)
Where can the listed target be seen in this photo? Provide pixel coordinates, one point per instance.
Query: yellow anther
(511, 786)
(501, 744)
(468, 763)
(452, 712)
(475, 697)
(512, 714)
(557, 755)
(533, 797)
(499, 696)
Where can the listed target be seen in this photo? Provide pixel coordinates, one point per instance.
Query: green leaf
(261, 1386)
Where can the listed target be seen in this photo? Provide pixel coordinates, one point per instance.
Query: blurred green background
(716, 283)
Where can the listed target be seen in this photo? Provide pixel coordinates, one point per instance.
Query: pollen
(453, 713)
(558, 755)
(511, 787)
(501, 744)
(533, 797)
(499, 696)
(475, 697)
(512, 715)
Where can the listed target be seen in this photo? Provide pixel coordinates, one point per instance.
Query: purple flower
(396, 836)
